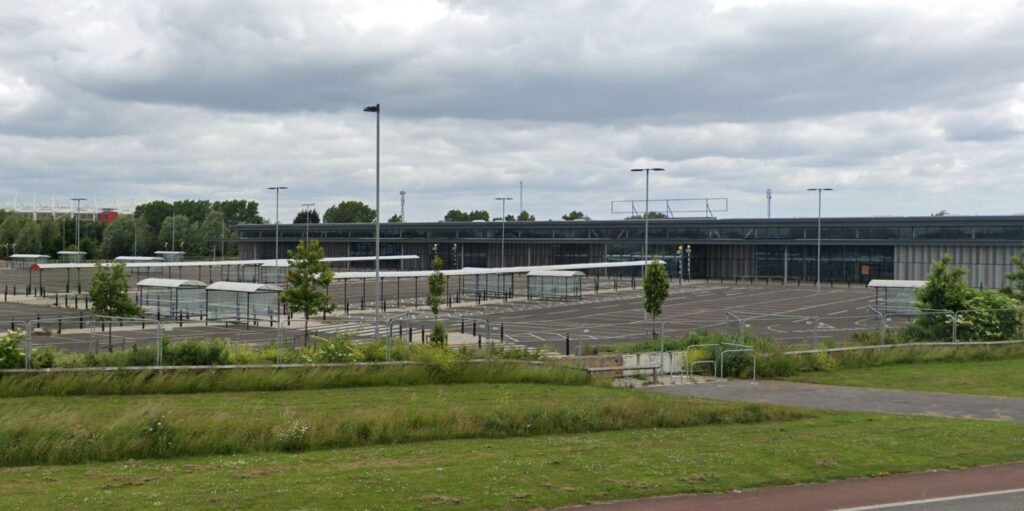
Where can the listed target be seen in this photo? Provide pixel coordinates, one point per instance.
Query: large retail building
(852, 249)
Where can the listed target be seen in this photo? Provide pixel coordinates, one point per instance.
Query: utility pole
(520, 199)
(817, 283)
(503, 201)
(78, 222)
(375, 109)
(309, 209)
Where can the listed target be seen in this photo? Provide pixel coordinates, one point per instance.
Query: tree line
(358, 212)
(193, 226)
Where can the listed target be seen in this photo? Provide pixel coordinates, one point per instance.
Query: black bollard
(567, 345)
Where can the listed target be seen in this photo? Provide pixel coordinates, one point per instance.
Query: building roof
(897, 284)
(554, 273)
(160, 263)
(244, 287)
(138, 259)
(493, 271)
(171, 283)
(29, 256)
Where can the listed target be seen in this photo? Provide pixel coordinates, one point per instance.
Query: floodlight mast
(503, 201)
(817, 282)
(375, 109)
(78, 222)
(647, 199)
(309, 209)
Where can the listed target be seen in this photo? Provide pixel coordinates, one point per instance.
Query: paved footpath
(925, 491)
(856, 399)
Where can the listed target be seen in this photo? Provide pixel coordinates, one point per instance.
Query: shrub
(43, 358)
(439, 335)
(11, 354)
(196, 352)
(333, 350)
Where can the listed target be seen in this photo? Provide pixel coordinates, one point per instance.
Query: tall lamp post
(689, 253)
(647, 198)
(78, 222)
(277, 219)
(503, 201)
(679, 254)
(817, 282)
(376, 236)
(309, 209)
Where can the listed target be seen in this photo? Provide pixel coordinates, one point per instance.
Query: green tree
(29, 240)
(649, 214)
(177, 229)
(208, 233)
(395, 219)
(456, 215)
(194, 209)
(655, 288)
(307, 217)
(349, 212)
(1015, 279)
(946, 288)
(119, 237)
(525, 216)
(109, 292)
(575, 215)
(154, 212)
(308, 278)
(239, 211)
(49, 235)
(435, 297)
(10, 228)
(90, 247)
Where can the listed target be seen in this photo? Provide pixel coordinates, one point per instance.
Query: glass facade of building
(853, 249)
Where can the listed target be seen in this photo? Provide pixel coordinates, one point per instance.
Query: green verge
(121, 381)
(61, 430)
(526, 473)
(990, 378)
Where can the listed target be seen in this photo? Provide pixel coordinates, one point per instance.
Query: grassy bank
(58, 430)
(121, 382)
(525, 473)
(990, 378)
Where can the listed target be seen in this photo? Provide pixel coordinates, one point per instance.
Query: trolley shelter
(248, 302)
(554, 285)
(27, 260)
(896, 296)
(71, 256)
(172, 297)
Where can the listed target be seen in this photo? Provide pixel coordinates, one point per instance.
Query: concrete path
(996, 487)
(856, 399)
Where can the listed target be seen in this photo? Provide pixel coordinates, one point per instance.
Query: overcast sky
(904, 110)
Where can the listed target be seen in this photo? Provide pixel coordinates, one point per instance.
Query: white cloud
(906, 110)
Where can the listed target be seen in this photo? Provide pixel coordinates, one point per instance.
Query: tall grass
(180, 381)
(47, 433)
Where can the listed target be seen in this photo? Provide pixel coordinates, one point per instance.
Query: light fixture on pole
(78, 222)
(647, 198)
(768, 195)
(308, 206)
(817, 282)
(679, 253)
(503, 201)
(277, 219)
(689, 268)
(376, 236)
(401, 215)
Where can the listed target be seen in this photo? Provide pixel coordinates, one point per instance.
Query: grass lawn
(524, 473)
(74, 429)
(991, 378)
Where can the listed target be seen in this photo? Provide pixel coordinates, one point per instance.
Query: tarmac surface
(834, 397)
(995, 488)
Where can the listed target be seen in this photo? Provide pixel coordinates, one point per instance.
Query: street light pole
(78, 222)
(174, 221)
(309, 209)
(647, 198)
(817, 282)
(277, 221)
(376, 251)
(503, 201)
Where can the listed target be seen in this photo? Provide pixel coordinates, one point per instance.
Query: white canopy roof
(230, 262)
(900, 284)
(76, 252)
(494, 271)
(138, 259)
(170, 283)
(243, 287)
(554, 273)
(29, 256)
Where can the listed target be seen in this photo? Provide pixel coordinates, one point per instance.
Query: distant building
(853, 249)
